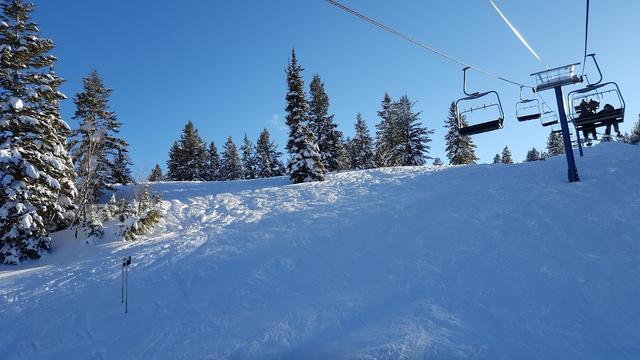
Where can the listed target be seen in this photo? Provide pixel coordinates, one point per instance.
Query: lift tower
(555, 79)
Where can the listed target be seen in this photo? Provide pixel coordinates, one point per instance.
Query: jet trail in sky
(515, 31)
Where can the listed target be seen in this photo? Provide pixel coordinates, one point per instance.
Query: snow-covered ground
(476, 262)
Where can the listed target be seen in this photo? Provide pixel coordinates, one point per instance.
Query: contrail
(515, 31)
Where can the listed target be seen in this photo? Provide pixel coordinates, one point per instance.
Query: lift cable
(422, 45)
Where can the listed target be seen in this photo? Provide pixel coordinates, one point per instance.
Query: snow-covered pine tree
(267, 157)
(555, 145)
(328, 138)
(506, 156)
(95, 143)
(437, 162)
(305, 163)
(497, 159)
(231, 166)
(533, 155)
(248, 158)
(410, 139)
(36, 172)
(213, 170)
(460, 149)
(110, 209)
(156, 174)
(188, 157)
(385, 130)
(361, 148)
(121, 173)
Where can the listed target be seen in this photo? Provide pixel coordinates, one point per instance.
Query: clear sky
(221, 63)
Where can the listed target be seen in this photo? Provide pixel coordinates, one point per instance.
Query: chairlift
(596, 105)
(527, 109)
(549, 118)
(483, 111)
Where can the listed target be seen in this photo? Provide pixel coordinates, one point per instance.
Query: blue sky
(221, 64)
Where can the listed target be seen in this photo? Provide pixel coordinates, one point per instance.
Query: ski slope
(474, 262)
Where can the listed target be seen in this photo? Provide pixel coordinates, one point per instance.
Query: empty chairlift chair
(479, 112)
(596, 105)
(528, 109)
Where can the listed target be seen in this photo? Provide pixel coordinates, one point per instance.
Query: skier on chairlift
(587, 109)
(607, 134)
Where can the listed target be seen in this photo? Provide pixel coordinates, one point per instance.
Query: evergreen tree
(156, 174)
(213, 171)
(460, 149)
(231, 167)
(437, 162)
(409, 141)
(555, 145)
(533, 155)
(267, 157)
(497, 159)
(188, 157)
(36, 171)
(248, 158)
(506, 156)
(361, 146)
(328, 137)
(385, 130)
(121, 173)
(305, 164)
(95, 145)
(634, 137)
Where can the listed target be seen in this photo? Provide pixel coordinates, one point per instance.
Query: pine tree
(36, 171)
(328, 138)
(231, 167)
(156, 174)
(188, 157)
(95, 144)
(506, 156)
(634, 137)
(460, 149)
(248, 158)
(110, 208)
(305, 163)
(213, 171)
(267, 157)
(497, 159)
(361, 149)
(533, 155)
(437, 162)
(121, 173)
(555, 145)
(410, 140)
(385, 130)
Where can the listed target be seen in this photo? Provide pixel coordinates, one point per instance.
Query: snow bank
(477, 262)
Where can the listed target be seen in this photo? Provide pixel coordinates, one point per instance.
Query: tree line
(52, 176)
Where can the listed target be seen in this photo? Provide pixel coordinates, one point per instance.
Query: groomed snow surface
(475, 262)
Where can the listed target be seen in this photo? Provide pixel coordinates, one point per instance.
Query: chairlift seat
(529, 117)
(482, 127)
(600, 119)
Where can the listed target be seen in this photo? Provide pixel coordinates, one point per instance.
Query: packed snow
(474, 262)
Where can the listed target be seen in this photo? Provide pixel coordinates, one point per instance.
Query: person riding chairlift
(609, 108)
(587, 109)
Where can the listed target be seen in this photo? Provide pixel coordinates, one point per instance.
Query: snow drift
(475, 262)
